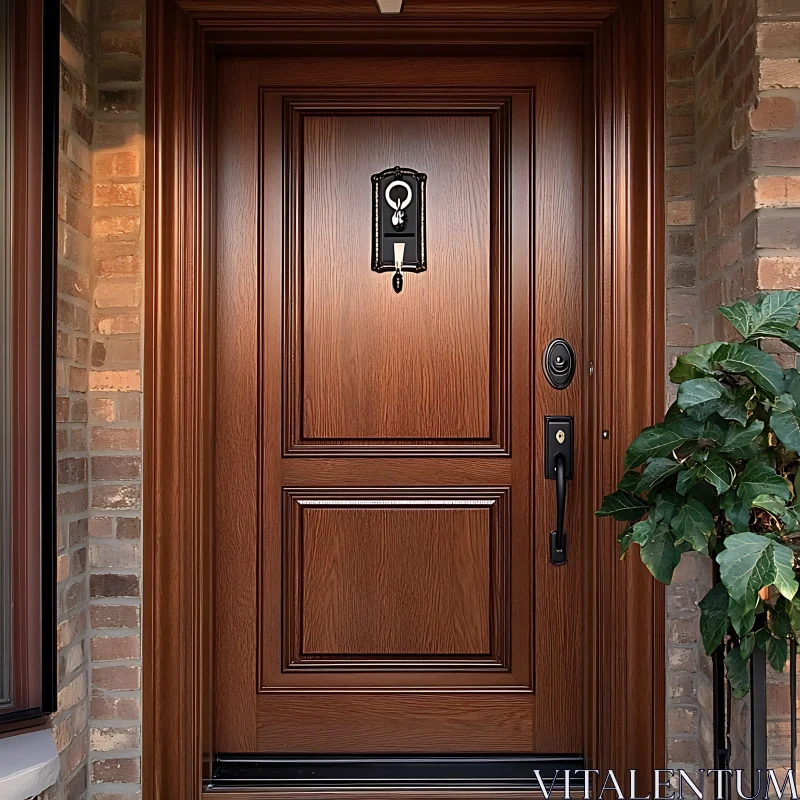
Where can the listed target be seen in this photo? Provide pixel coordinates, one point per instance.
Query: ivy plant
(721, 476)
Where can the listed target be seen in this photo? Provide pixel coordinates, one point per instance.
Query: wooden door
(382, 517)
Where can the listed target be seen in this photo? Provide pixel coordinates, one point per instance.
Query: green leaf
(698, 397)
(791, 520)
(776, 313)
(659, 555)
(661, 440)
(759, 478)
(742, 617)
(718, 473)
(687, 479)
(694, 524)
(694, 364)
(743, 442)
(667, 503)
(786, 425)
(736, 512)
(770, 503)
(746, 645)
(777, 650)
(627, 483)
(792, 378)
(623, 506)
(741, 315)
(785, 581)
(792, 338)
(784, 402)
(778, 619)
(746, 566)
(714, 618)
(738, 673)
(643, 531)
(655, 472)
(734, 406)
(760, 367)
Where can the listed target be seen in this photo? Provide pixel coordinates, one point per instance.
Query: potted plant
(721, 476)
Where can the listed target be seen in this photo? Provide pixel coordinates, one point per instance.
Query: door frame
(622, 44)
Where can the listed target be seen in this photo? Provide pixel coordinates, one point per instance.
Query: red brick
(680, 36)
(779, 73)
(775, 113)
(116, 770)
(115, 438)
(114, 616)
(115, 380)
(116, 468)
(114, 585)
(117, 194)
(128, 496)
(71, 470)
(116, 678)
(115, 648)
(129, 528)
(776, 152)
(114, 555)
(123, 164)
(110, 324)
(779, 273)
(127, 708)
(778, 38)
(121, 42)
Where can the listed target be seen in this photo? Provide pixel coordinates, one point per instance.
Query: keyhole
(560, 436)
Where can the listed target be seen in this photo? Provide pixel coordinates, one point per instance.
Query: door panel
(382, 521)
(409, 368)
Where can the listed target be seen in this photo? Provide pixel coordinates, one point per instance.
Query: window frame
(31, 192)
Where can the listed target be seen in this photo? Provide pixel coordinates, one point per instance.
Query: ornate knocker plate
(398, 218)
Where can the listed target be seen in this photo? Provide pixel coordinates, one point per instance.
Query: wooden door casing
(517, 123)
(621, 44)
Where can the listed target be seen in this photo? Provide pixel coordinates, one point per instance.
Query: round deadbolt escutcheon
(559, 363)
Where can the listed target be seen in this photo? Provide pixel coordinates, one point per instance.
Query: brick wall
(97, 727)
(733, 186)
(684, 680)
(773, 127)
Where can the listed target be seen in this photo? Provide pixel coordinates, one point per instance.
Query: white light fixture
(390, 6)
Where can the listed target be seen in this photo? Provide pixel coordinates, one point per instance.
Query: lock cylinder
(559, 363)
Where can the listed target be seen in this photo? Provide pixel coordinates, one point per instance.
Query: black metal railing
(722, 714)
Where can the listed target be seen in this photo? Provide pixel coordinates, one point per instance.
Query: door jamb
(623, 607)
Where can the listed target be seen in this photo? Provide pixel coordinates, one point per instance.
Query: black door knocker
(398, 222)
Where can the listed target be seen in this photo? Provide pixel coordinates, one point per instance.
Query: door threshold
(244, 772)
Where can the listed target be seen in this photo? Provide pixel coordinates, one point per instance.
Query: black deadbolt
(559, 363)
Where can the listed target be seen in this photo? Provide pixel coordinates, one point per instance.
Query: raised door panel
(371, 371)
(388, 582)
(403, 580)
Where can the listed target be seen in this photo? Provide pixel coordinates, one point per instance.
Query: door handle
(558, 550)
(558, 467)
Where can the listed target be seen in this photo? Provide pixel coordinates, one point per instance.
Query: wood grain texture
(622, 611)
(556, 675)
(376, 364)
(395, 723)
(406, 567)
(354, 376)
(389, 582)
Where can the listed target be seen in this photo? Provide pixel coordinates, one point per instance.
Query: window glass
(5, 369)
